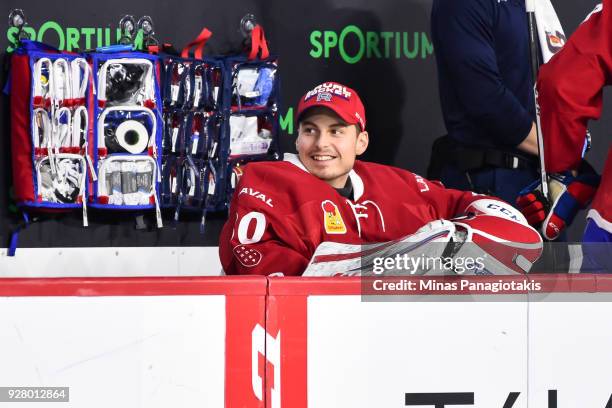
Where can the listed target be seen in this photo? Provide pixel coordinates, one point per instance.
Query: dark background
(400, 94)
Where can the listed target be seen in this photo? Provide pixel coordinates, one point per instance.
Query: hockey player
(570, 94)
(282, 211)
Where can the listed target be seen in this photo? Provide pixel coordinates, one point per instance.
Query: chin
(328, 177)
(322, 174)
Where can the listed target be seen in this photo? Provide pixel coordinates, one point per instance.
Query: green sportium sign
(70, 38)
(353, 44)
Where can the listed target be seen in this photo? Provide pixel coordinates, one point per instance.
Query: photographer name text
(433, 285)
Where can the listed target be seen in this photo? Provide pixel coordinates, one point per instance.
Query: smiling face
(327, 146)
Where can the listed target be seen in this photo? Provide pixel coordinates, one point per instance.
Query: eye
(337, 131)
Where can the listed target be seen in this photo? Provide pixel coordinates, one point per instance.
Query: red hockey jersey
(570, 88)
(280, 213)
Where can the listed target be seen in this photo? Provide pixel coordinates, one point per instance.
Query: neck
(338, 182)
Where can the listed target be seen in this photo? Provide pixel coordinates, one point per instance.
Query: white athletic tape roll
(132, 136)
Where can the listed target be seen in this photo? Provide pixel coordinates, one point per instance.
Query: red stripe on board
(243, 315)
(256, 285)
(136, 286)
(286, 325)
(557, 283)
(603, 282)
(285, 285)
(566, 283)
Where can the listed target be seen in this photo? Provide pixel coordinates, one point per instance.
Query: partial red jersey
(280, 213)
(570, 89)
(602, 203)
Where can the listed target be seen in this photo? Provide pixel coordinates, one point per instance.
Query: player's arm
(570, 94)
(570, 90)
(465, 43)
(449, 203)
(258, 239)
(486, 226)
(530, 143)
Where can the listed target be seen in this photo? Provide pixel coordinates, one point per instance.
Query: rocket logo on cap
(341, 99)
(332, 219)
(324, 96)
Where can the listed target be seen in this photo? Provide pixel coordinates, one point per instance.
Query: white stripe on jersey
(597, 9)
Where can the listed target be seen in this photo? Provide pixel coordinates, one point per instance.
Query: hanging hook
(127, 24)
(146, 25)
(247, 24)
(17, 19)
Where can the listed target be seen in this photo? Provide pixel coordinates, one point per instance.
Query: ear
(362, 142)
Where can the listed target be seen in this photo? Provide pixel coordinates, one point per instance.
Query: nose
(323, 140)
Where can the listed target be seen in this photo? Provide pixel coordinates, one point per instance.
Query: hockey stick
(533, 48)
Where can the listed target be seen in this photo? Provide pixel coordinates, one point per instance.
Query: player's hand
(567, 193)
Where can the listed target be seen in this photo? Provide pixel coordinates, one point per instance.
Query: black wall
(398, 85)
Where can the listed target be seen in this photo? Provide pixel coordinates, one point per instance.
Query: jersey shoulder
(398, 180)
(273, 173)
(376, 170)
(276, 186)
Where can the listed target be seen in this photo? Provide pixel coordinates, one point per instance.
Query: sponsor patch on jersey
(332, 219)
(248, 257)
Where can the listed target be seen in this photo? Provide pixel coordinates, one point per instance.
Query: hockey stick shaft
(533, 48)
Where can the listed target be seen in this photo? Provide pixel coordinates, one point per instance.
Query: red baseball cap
(341, 99)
